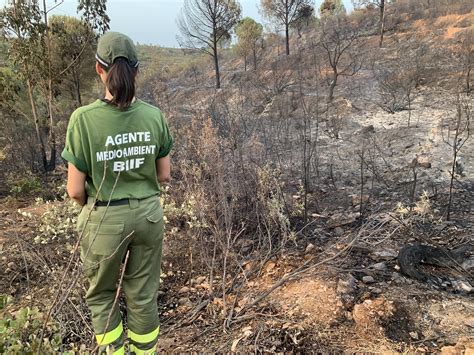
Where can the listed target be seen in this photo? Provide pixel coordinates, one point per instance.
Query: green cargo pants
(136, 227)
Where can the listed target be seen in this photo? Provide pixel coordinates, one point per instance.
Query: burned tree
(380, 4)
(458, 133)
(205, 23)
(285, 12)
(338, 39)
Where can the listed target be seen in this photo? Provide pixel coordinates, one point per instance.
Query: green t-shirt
(126, 142)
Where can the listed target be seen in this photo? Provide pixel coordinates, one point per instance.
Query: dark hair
(121, 83)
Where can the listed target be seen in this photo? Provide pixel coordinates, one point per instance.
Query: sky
(154, 21)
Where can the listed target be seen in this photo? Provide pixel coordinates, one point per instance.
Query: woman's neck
(108, 95)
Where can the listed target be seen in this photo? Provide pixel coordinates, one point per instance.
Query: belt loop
(134, 203)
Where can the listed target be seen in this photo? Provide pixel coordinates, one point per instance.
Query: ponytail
(121, 83)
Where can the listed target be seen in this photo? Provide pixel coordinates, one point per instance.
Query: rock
(422, 162)
(184, 289)
(462, 286)
(183, 301)
(449, 350)
(377, 291)
(11, 265)
(368, 279)
(269, 266)
(309, 248)
(414, 335)
(468, 264)
(367, 129)
(386, 254)
(469, 322)
(356, 199)
(346, 284)
(340, 219)
(203, 286)
(396, 276)
(198, 280)
(338, 231)
(464, 346)
(380, 266)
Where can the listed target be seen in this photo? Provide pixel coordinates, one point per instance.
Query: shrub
(57, 223)
(24, 185)
(19, 331)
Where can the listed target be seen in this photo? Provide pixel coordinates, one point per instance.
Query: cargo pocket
(156, 216)
(154, 228)
(104, 239)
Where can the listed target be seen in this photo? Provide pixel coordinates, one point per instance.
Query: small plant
(422, 208)
(58, 222)
(25, 185)
(19, 329)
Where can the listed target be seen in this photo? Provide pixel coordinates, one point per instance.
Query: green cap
(113, 45)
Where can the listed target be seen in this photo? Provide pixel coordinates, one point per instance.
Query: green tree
(332, 7)
(249, 35)
(26, 29)
(73, 43)
(205, 25)
(285, 12)
(23, 30)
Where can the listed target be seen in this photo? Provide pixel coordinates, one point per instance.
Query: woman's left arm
(76, 185)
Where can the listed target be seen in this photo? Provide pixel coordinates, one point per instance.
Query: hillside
(294, 196)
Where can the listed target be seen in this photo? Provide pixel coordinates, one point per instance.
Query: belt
(123, 201)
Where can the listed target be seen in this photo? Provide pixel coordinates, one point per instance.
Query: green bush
(58, 222)
(24, 185)
(20, 330)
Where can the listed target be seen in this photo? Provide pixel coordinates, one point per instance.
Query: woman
(117, 151)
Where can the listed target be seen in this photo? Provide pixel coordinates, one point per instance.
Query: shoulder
(150, 108)
(79, 113)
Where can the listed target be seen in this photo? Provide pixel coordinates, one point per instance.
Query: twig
(22, 255)
(71, 259)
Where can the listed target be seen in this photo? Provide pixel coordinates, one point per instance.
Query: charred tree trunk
(37, 125)
(333, 85)
(382, 21)
(216, 65)
(254, 59)
(52, 136)
(77, 88)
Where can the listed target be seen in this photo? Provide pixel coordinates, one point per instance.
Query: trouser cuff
(143, 343)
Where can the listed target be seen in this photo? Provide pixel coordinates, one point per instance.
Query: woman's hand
(76, 185)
